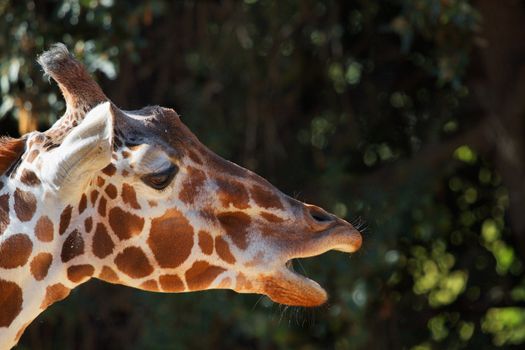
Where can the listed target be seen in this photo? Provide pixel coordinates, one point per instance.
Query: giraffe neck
(52, 242)
(48, 247)
(33, 274)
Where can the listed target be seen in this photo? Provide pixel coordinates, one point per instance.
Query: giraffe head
(147, 205)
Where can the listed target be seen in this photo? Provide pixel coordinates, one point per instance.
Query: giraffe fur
(134, 198)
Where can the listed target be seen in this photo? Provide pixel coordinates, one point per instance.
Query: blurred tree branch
(431, 157)
(503, 97)
(499, 136)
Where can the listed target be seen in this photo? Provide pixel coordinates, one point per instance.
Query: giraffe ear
(85, 150)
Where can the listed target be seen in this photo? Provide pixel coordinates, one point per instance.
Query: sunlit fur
(75, 206)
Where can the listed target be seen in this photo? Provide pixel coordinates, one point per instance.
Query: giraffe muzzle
(291, 288)
(327, 232)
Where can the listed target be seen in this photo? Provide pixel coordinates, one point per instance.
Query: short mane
(10, 151)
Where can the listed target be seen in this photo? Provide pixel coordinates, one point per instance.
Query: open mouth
(288, 287)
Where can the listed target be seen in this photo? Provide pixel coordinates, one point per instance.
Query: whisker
(296, 316)
(359, 223)
(257, 302)
(283, 312)
(302, 267)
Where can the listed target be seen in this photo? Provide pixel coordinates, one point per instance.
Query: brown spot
(223, 250)
(102, 206)
(10, 302)
(102, 243)
(129, 196)
(242, 283)
(73, 246)
(201, 275)
(153, 204)
(65, 219)
(10, 150)
(25, 205)
(44, 229)
(207, 214)
(82, 205)
(257, 260)
(265, 198)
(223, 166)
(205, 242)
(79, 273)
(225, 283)
(88, 224)
(111, 191)
(192, 185)
(40, 265)
(271, 217)
(93, 197)
(194, 156)
(125, 173)
(232, 192)
(108, 275)
(32, 155)
(171, 283)
(134, 263)
(124, 224)
(15, 251)
(110, 170)
(150, 285)
(235, 224)
(171, 238)
(29, 178)
(4, 213)
(54, 293)
(100, 181)
(125, 154)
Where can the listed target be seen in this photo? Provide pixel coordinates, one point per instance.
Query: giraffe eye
(161, 180)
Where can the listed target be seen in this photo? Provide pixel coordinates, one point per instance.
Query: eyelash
(168, 173)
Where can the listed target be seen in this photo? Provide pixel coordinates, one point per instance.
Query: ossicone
(78, 87)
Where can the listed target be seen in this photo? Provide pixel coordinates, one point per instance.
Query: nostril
(319, 215)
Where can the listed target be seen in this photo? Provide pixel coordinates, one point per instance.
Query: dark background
(408, 114)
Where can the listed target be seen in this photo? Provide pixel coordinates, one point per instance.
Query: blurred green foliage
(333, 101)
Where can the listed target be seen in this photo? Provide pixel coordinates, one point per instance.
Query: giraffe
(133, 198)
